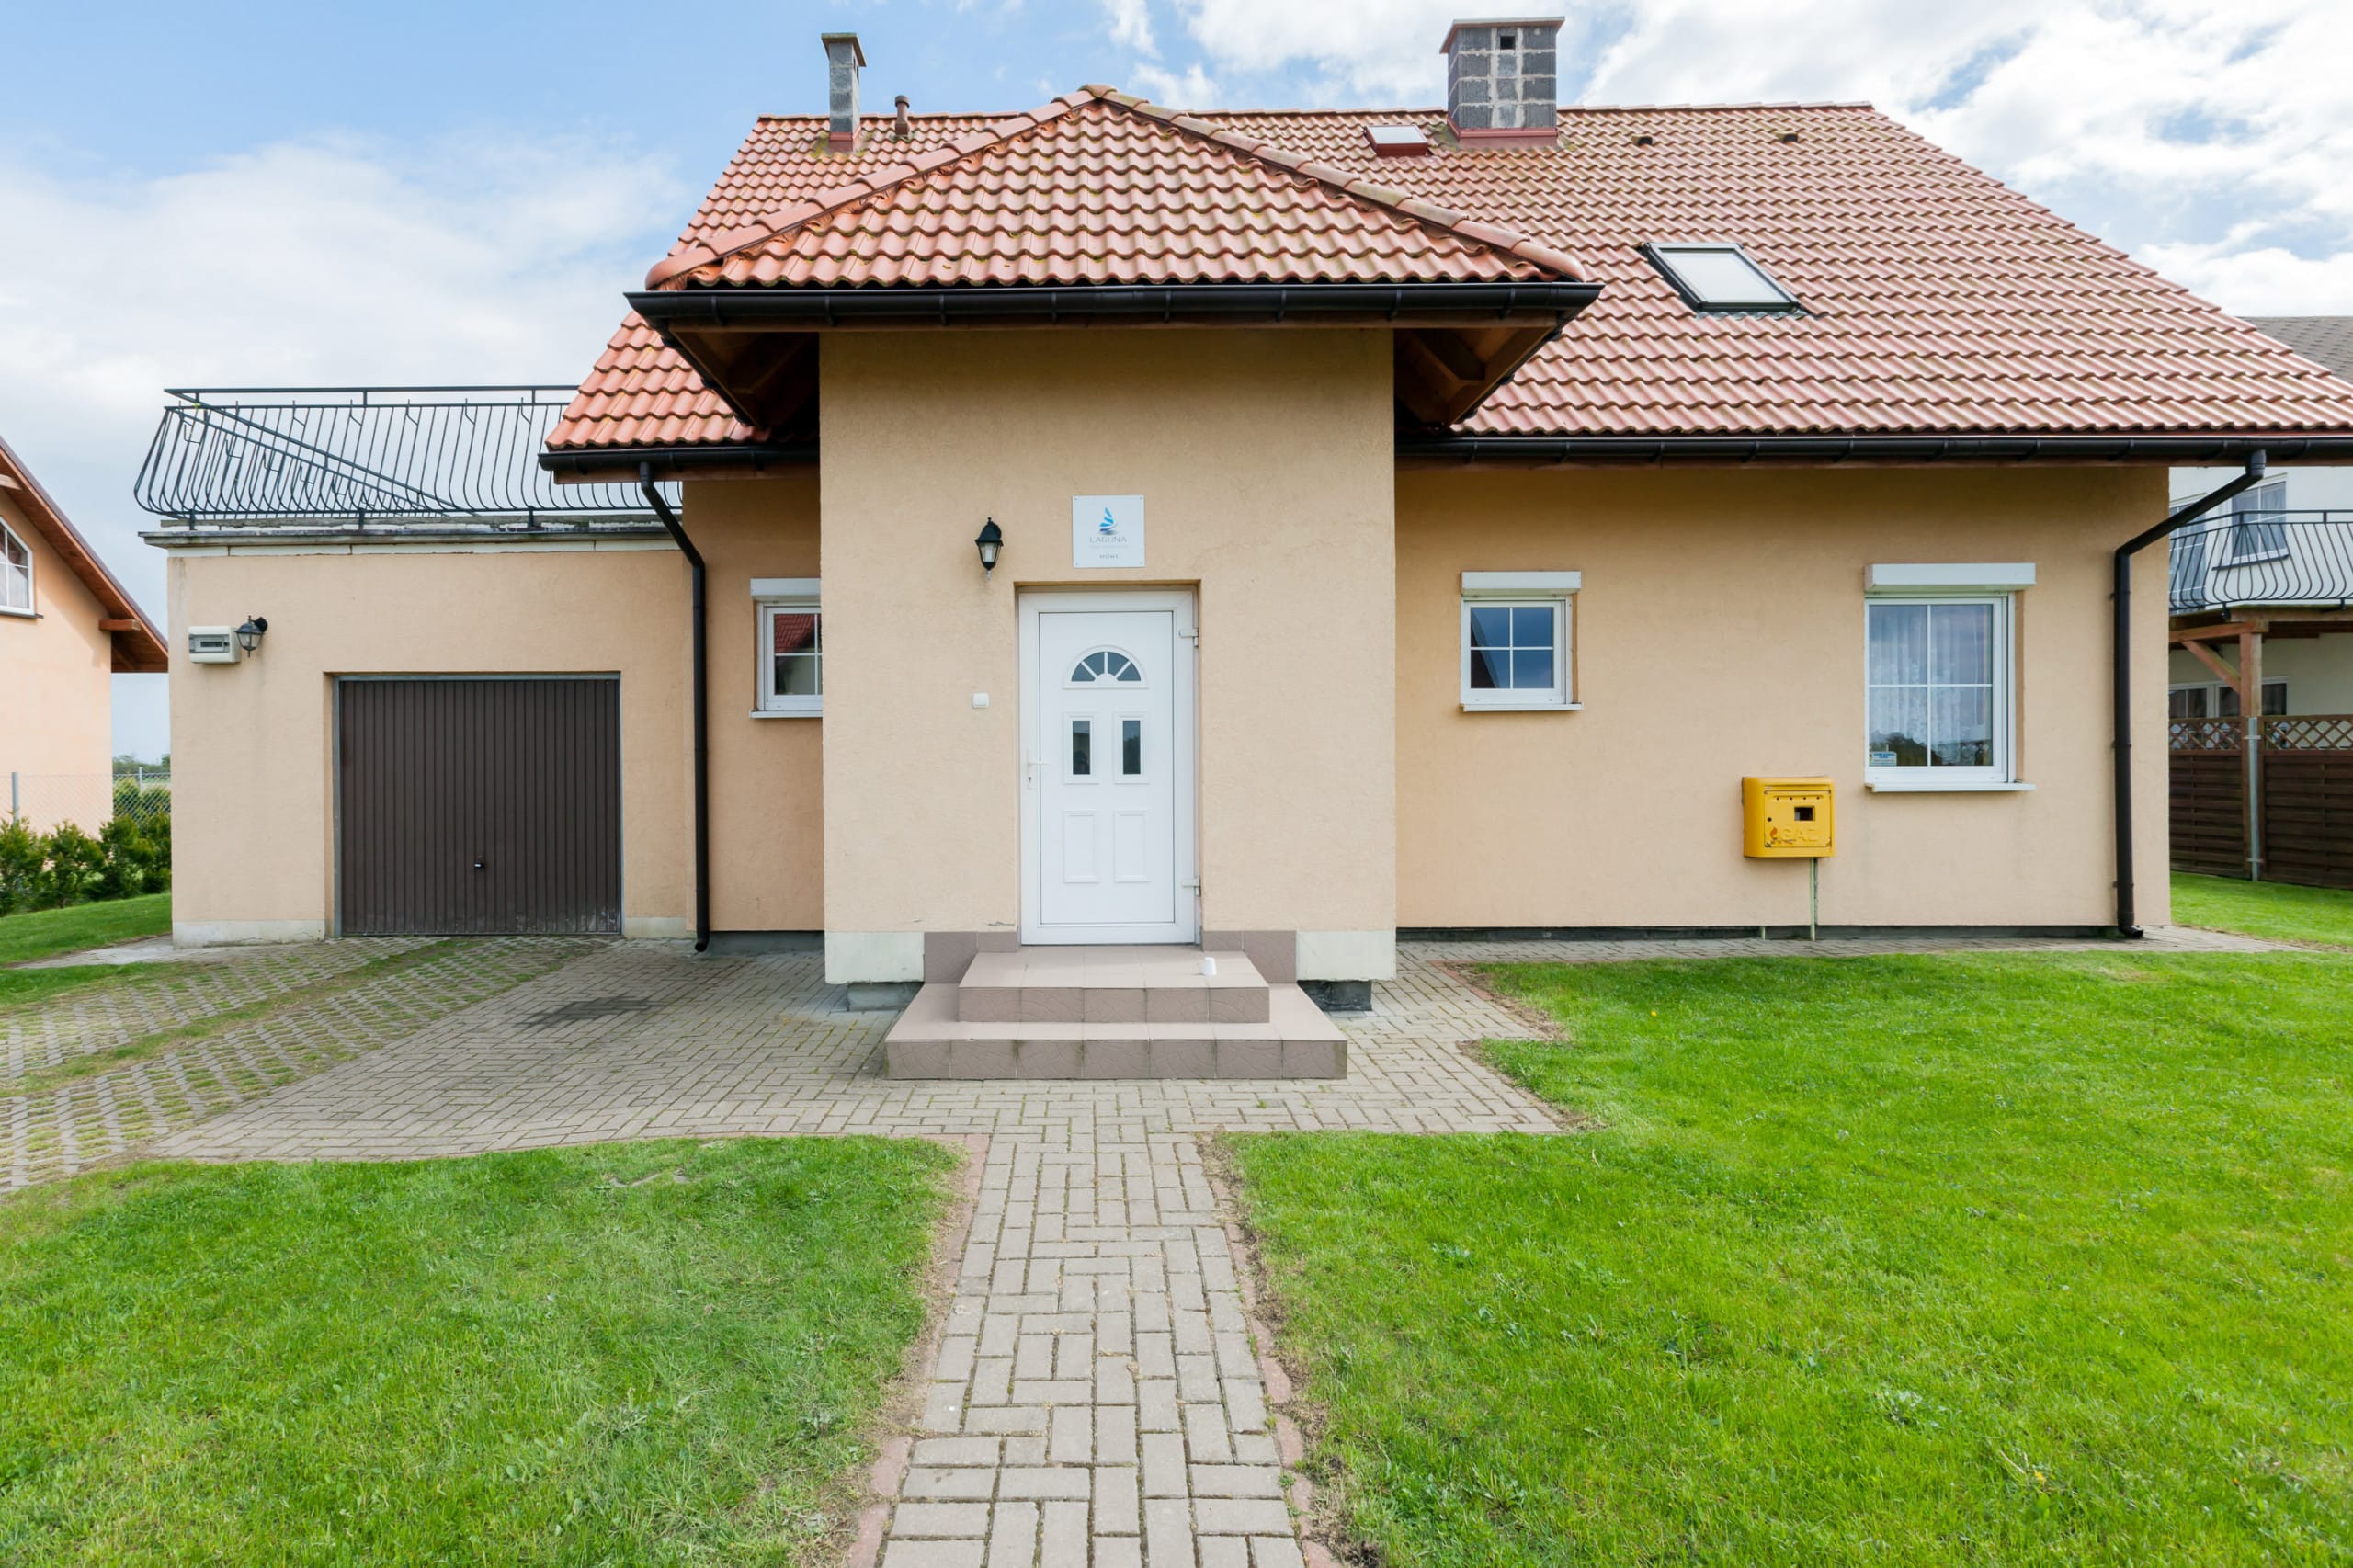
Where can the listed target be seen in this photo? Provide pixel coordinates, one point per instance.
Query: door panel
(475, 807)
(1110, 707)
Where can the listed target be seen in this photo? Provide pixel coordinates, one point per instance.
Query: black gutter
(2181, 450)
(806, 307)
(2121, 600)
(607, 459)
(702, 706)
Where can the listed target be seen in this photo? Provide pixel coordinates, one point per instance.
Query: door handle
(477, 865)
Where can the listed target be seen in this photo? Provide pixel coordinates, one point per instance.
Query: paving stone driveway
(1096, 1392)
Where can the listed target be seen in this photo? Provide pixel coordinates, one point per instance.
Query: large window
(16, 572)
(791, 646)
(1515, 639)
(1938, 689)
(2259, 523)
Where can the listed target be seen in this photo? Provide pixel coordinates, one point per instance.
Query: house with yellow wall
(1060, 559)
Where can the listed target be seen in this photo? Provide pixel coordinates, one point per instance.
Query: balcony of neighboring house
(294, 462)
(2261, 692)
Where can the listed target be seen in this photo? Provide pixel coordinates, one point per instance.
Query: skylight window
(1397, 140)
(1720, 277)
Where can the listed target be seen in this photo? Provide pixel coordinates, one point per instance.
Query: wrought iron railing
(362, 457)
(2302, 558)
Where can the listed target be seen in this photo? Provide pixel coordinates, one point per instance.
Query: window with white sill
(1938, 682)
(1516, 640)
(792, 654)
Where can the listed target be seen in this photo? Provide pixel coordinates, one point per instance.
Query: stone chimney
(843, 58)
(1503, 81)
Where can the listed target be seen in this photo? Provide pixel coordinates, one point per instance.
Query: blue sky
(246, 193)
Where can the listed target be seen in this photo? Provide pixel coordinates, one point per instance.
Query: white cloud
(1192, 89)
(303, 263)
(1131, 24)
(2201, 134)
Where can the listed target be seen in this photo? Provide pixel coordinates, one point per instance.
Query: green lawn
(43, 933)
(2278, 910)
(1982, 1259)
(653, 1353)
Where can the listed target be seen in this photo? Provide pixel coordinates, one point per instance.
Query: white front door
(1107, 768)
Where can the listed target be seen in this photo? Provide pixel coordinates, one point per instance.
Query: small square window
(793, 657)
(1514, 648)
(1719, 277)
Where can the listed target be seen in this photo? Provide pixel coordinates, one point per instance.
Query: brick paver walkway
(1096, 1393)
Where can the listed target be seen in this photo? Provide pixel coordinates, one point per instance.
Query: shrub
(74, 861)
(23, 853)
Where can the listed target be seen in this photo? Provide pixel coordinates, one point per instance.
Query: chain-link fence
(90, 801)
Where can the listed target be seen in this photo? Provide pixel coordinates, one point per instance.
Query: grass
(2279, 911)
(44, 933)
(1964, 1259)
(643, 1354)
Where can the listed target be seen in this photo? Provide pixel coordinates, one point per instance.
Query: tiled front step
(1296, 1041)
(1111, 985)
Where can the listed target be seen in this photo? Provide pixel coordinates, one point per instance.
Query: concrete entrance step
(1111, 985)
(1295, 1040)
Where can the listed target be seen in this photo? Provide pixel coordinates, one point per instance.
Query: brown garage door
(478, 806)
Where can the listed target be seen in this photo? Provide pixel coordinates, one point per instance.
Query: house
(66, 629)
(2279, 561)
(1102, 527)
(2260, 686)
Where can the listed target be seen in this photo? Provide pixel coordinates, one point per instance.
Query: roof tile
(1937, 300)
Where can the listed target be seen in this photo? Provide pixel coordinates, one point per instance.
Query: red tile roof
(1937, 300)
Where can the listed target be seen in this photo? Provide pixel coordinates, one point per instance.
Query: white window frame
(791, 596)
(1996, 587)
(1556, 591)
(30, 607)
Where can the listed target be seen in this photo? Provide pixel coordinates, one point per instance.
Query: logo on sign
(1105, 530)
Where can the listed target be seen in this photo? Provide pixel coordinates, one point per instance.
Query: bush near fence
(130, 854)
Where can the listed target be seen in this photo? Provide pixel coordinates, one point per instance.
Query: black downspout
(702, 707)
(2123, 597)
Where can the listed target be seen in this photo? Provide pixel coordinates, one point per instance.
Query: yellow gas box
(1786, 818)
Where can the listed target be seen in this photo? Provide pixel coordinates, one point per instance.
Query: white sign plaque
(1105, 530)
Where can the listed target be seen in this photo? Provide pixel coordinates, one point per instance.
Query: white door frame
(1185, 722)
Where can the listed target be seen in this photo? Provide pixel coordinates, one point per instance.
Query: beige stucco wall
(768, 863)
(252, 742)
(57, 733)
(1263, 458)
(1719, 632)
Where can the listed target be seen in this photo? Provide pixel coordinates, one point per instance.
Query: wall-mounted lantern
(249, 634)
(990, 541)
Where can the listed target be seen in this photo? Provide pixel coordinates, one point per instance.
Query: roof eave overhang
(2170, 449)
(1456, 341)
(135, 647)
(610, 465)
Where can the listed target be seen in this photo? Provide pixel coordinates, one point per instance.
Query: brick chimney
(843, 58)
(1503, 81)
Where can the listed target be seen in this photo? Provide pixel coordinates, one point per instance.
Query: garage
(478, 805)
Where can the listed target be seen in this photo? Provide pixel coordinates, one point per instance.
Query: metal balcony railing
(2290, 558)
(368, 457)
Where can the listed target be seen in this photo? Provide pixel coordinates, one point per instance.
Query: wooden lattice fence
(2302, 778)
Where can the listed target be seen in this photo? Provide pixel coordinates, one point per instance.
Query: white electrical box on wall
(212, 645)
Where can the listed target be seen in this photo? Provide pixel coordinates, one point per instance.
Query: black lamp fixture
(990, 541)
(249, 634)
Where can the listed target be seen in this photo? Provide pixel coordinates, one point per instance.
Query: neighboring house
(2278, 563)
(66, 628)
(1409, 520)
